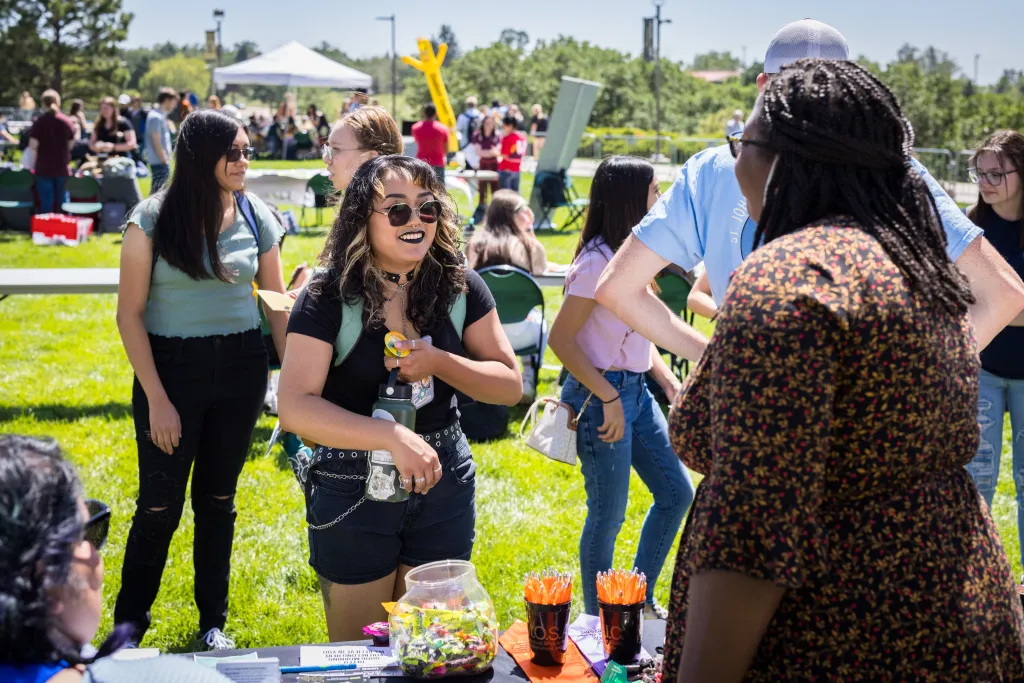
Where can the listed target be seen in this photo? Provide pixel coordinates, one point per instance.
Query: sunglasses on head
(235, 153)
(98, 525)
(400, 214)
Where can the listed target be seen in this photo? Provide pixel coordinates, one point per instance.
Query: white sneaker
(270, 398)
(529, 383)
(216, 640)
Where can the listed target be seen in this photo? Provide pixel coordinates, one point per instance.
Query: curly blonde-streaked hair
(439, 278)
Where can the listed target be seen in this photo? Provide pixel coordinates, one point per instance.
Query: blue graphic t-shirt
(703, 218)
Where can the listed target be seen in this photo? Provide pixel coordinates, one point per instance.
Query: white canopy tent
(292, 65)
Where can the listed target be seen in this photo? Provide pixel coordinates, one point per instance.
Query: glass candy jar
(445, 624)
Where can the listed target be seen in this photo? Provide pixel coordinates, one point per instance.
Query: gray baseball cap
(804, 38)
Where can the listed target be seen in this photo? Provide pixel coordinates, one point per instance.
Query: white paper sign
(259, 671)
(362, 656)
(586, 633)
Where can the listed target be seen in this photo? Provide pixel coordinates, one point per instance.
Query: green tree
(447, 35)
(716, 61)
(72, 46)
(517, 40)
(178, 72)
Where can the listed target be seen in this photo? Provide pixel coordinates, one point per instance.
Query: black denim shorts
(376, 537)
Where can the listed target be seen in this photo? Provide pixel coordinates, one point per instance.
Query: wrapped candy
(445, 625)
(380, 632)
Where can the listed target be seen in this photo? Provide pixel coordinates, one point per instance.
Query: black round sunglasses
(400, 214)
(97, 527)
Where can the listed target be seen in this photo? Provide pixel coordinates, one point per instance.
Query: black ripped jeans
(217, 384)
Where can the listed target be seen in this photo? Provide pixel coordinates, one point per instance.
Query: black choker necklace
(397, 278)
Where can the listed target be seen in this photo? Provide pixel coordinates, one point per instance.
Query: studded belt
(442, 438)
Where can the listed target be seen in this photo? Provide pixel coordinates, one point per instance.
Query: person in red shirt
(51, 136)
(513, 148)
(431, 138)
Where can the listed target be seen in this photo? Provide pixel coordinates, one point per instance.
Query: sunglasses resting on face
(400, 214)
(235, 153)
(98, 525)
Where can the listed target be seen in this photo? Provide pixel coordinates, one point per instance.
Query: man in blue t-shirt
(703, 218)
(158, 146)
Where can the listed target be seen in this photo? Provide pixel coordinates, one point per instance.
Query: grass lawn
(65, 375)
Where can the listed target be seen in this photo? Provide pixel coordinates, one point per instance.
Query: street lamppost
(658, 21)
(394, 67)
(218, 16)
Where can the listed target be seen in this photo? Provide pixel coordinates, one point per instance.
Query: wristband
(617, 397)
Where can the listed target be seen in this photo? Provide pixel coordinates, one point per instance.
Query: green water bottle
(394, 402)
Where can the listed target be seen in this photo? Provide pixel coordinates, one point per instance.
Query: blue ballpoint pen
(314, 669)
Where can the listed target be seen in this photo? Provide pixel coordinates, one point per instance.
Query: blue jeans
(159, 173)
(644, 446)
(996, 397)
(51, 193)
(508, 180)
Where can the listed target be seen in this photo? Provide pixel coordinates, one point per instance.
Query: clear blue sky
(876, 28)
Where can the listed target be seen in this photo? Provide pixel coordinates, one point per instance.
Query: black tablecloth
(505, 669)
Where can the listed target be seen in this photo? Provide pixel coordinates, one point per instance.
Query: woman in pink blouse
(620, 424)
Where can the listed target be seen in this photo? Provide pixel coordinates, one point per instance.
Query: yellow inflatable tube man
(430, 65)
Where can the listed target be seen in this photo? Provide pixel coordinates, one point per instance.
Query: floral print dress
(832, 416)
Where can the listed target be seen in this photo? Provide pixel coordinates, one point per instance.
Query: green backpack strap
(350, 331)
(458, 314)
(352, 325)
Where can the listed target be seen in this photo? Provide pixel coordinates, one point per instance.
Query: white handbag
(553, 433)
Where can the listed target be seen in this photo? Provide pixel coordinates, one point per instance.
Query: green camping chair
(322, 188)
(674, 291)
(557, 192)
(83, 192)
(17, 201)
(515, 294)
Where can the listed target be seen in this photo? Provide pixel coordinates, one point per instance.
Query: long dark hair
(1004, 144)
(843, 149)
(40, 524)
(618, 201)
(115, 118)
(439, 279)
(192, 206)
(494, 243)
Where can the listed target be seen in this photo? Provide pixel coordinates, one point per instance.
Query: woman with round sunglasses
(51, 577)
(357, 137)
(996, 167)
(187, 312)
(392, 261)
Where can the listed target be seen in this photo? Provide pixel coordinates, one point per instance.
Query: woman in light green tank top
(191, 259)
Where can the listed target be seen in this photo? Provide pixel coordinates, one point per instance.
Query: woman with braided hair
(836, 534)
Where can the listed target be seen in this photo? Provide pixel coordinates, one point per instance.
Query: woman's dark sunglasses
(98, 526)
(400, 214)
(737, 141)
(234, 154)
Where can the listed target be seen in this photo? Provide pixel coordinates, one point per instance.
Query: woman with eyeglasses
(192, 257)
(996, 167)
(357, 137)
(835, 534)
(393, 265)
(51, 578)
